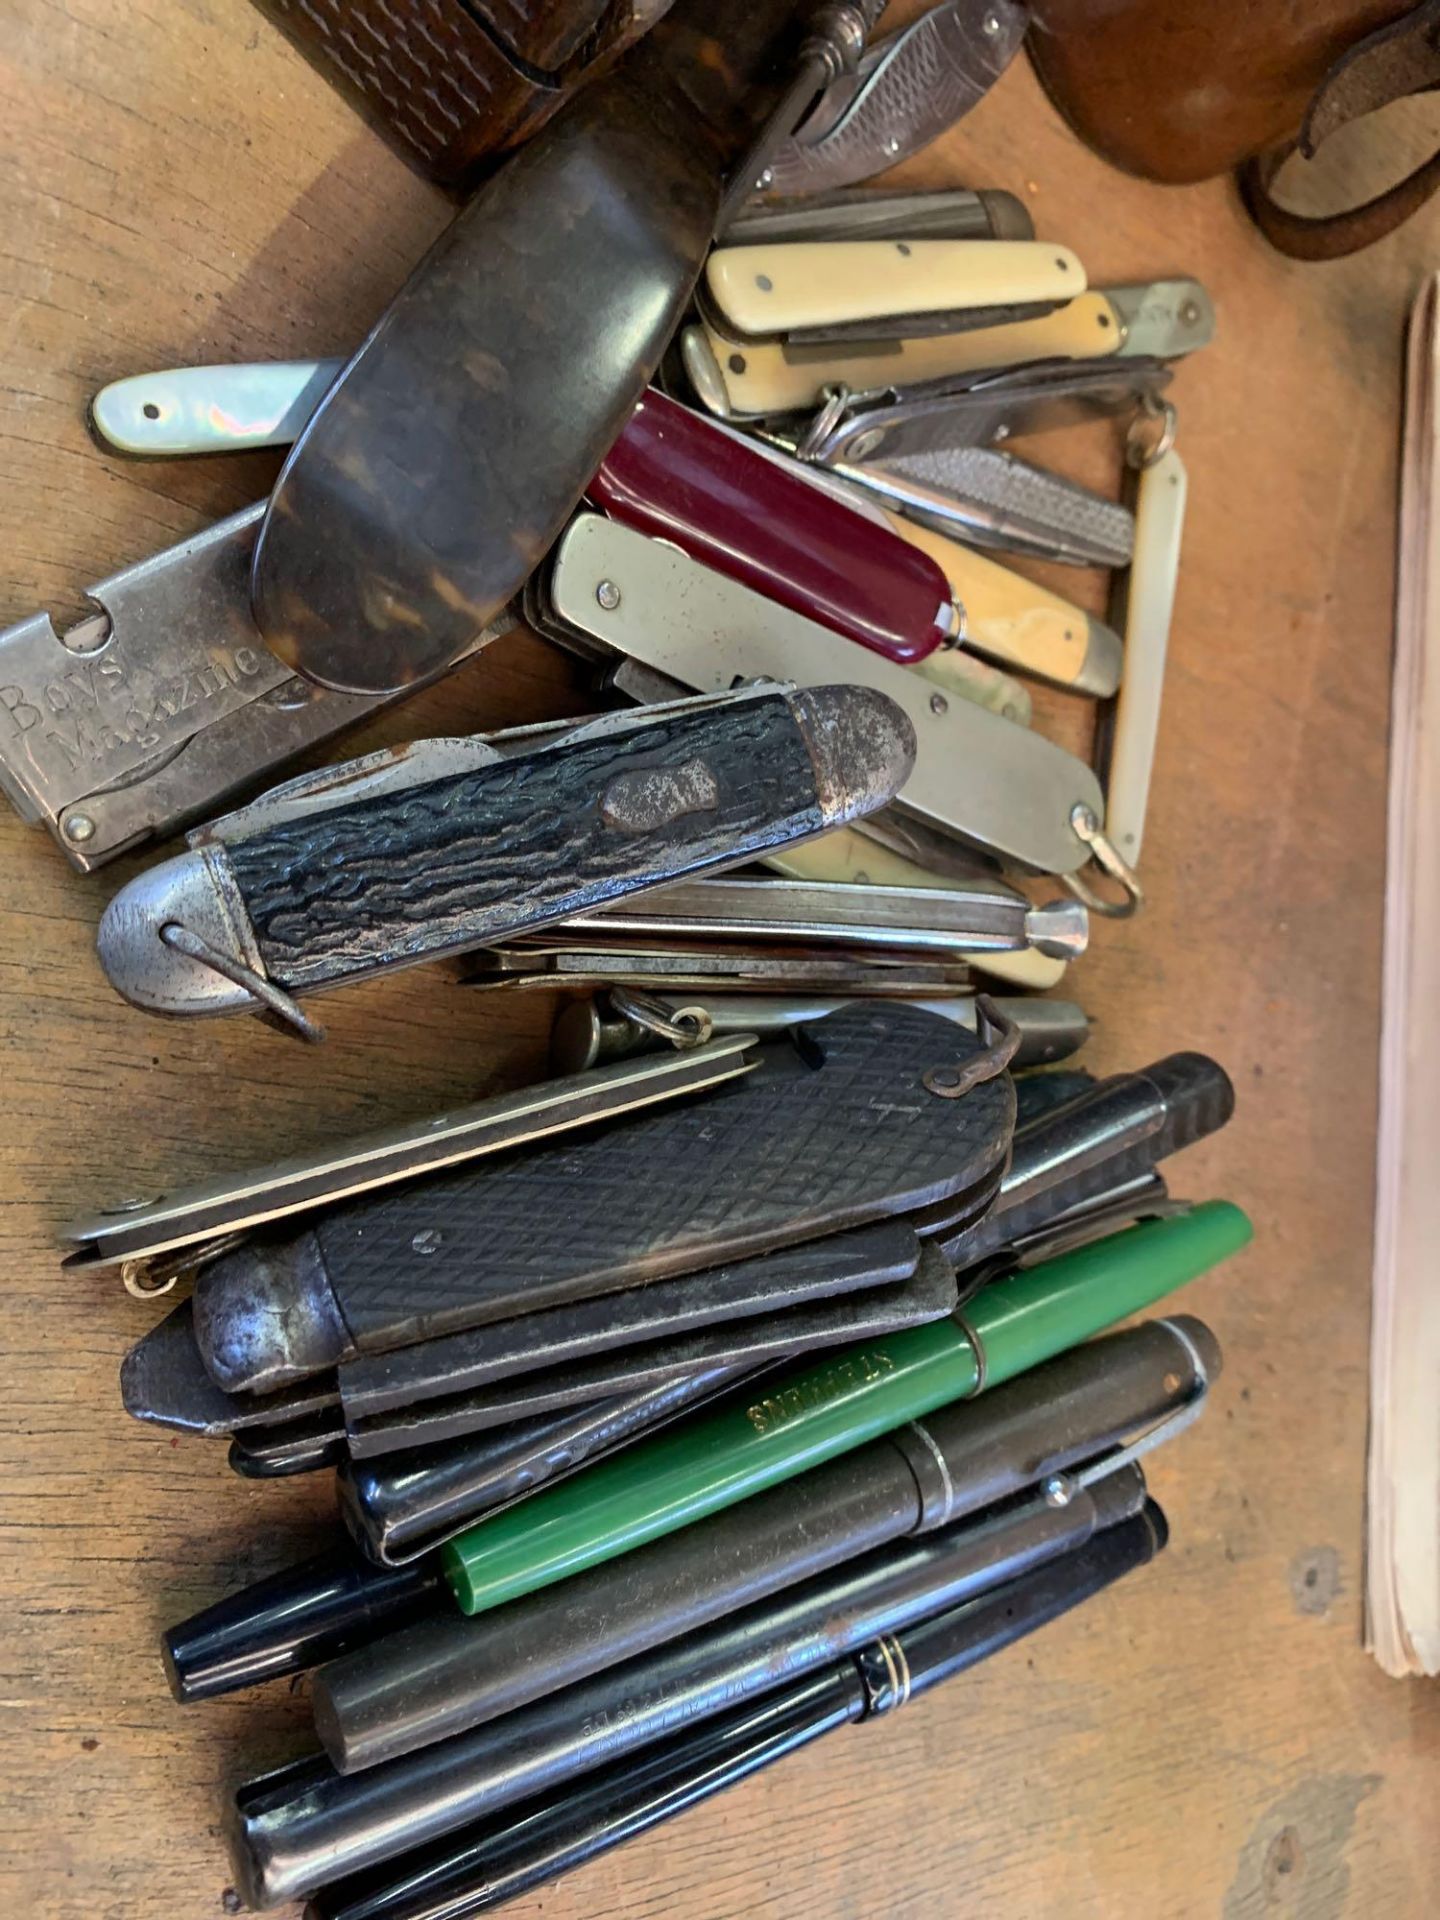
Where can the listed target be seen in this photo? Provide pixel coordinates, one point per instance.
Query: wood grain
(178, 186)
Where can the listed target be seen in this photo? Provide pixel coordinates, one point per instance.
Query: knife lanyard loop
(274, 1002)
(1142, 448)
(681, 1026)
(1000, 1037)
(1110, 861)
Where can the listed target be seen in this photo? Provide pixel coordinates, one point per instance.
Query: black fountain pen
(480, 1868)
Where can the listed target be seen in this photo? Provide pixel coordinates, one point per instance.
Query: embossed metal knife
(451, 844)
(905, 90)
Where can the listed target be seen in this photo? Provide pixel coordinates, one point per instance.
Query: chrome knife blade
(979, 919)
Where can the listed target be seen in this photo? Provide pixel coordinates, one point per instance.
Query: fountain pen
(815, 1413)
(484, 1865)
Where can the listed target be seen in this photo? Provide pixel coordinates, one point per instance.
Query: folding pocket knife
(893, 421)
(904, 91)
(950, 213)
(450, 844)
(977, 778)
(184, 1228)
(759, 912)
(734, 376)
(802, 293)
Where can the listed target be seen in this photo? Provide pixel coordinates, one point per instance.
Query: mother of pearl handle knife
(1146, 598)
(448, 845)
(732, 376)
(907, 88)
(759, 292)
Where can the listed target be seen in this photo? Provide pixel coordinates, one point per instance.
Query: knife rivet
(1002, 432)
(991, 23)
(1190, 313)
(764, 283)
(608, 594)
(79, 827)
(892, 145)
(938, 703)
(427, 1241)
(1058, 1490)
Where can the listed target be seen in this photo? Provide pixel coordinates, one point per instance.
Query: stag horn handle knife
(443, 463)
(402, 858)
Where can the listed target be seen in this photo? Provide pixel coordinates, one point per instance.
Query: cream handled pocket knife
(770, 377)
(804, 291)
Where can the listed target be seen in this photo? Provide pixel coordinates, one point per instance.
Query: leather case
(453, 82)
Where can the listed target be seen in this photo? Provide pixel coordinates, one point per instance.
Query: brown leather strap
(1332, 235)
(1389, 64)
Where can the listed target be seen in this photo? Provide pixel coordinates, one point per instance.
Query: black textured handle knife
(444, 461)
(451, 844)
(854, 1124)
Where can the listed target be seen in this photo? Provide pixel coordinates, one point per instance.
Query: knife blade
(867, 213)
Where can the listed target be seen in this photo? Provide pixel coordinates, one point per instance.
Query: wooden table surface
(179, 187)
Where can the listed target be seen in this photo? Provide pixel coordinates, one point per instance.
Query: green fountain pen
(798, 1419)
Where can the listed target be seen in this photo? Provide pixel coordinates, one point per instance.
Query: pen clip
(1060, 1488)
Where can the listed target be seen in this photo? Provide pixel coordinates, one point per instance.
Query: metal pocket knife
(735, 377)
(905, 90)
(450, 844)
(156, 1239)
(891, 422)
(977, 778)
(158, 708)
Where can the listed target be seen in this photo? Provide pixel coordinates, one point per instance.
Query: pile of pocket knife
(798, 884)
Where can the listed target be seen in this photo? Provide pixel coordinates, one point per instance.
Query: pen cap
(294, 1619)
